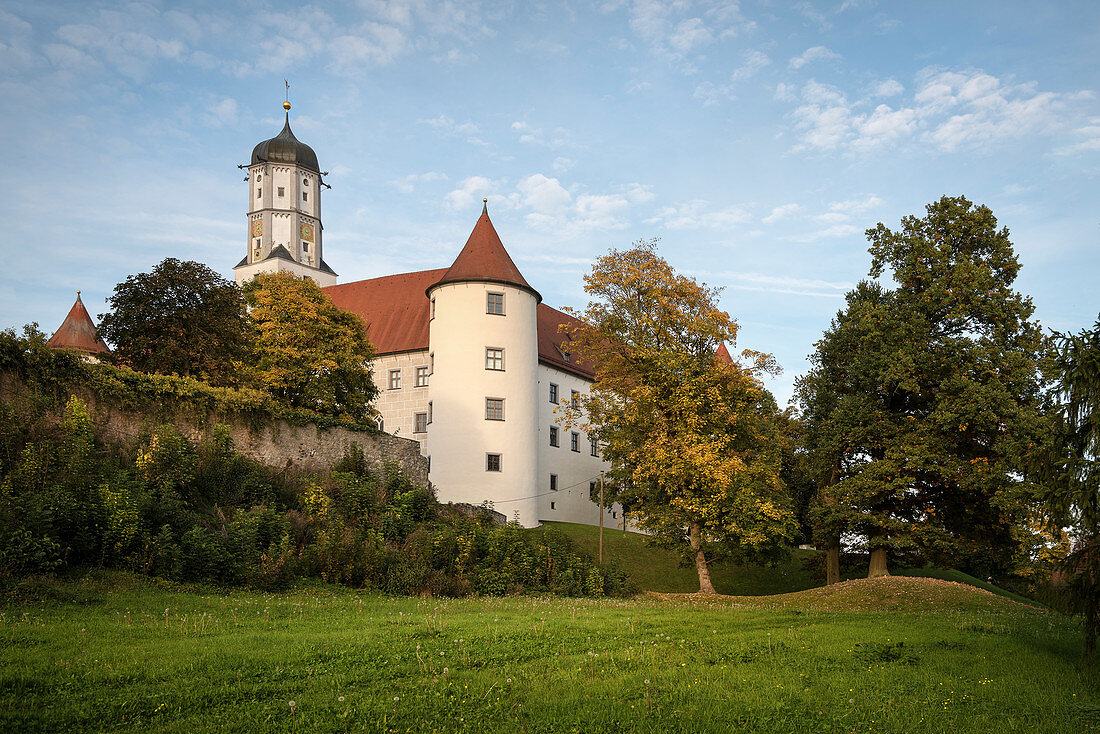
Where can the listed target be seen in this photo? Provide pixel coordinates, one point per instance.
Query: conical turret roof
(77, 332)
(484, 260)
(722, 354)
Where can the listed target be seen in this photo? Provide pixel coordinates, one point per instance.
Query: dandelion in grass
(340, 699)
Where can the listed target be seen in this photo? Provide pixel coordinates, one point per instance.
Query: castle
(469, 361)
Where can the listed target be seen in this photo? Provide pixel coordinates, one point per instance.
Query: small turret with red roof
(77, 332)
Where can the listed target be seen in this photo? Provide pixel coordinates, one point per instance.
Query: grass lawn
(114, 652)
(659, 569)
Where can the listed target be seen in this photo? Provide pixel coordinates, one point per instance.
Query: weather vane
(286, 103)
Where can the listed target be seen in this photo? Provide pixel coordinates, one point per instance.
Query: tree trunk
(696, 535)
(878, 564)
(1091, 622)
(832, 546)
(832, 562)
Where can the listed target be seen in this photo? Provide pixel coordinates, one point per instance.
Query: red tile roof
(484, 259)
(723, 354)
(396, 312)
(394, 308)
(554, 346)
(77, 332)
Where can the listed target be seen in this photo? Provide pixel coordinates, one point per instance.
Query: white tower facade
(284, 230)
(483, 350)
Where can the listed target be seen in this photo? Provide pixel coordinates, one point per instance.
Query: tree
(1069, 469)
(924, 398)
(692, 438)
(309, 353)
(181, 318)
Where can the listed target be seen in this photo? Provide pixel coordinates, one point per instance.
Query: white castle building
(470, 362)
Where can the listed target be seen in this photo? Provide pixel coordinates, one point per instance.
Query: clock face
(258, 228)
(306, 232)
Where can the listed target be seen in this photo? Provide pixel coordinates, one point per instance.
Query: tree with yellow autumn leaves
(691, 434)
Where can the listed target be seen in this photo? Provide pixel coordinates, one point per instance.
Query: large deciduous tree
(692, 436)
(1069, 471)
(309, 353)
(923, 398)
(181, 318)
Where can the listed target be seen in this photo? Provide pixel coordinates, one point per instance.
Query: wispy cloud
(810, 55)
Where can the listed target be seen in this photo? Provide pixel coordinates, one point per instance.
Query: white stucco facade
(466, 432)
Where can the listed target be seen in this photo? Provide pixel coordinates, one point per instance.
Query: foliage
(923, 400)
(186, 513)
(309, 353)
(52, 374)
(1069, 469)
(693, 439)
(181, 318)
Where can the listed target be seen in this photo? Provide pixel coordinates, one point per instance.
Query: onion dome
(77, 332)
(484, 260)
(285, 148)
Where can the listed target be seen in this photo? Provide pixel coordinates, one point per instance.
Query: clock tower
(284, 211)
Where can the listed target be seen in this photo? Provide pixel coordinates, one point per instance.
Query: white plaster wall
(575, 469)
(250, 270)
(459, 436)
(399, 407)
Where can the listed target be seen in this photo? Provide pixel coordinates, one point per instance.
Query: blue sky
(757, 140)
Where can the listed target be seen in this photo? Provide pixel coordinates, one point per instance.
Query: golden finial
(286, 105)
(485, 200)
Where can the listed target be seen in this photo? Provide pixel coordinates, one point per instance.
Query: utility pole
(601, 518)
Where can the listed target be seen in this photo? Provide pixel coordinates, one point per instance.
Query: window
(592, 449)
(494, 409)
(305, 196)
(553, 482)
(305, 247)
(553, 393)
(591, 488)
(282, 190)
(495, 304)
(421, 376)
(614, 516)
(429, 412)
(259, 192)
(433, 309)
(395, 379)
(431, 363)
(381, 425)
(574, 442)
(259, 177)
(553, 435)
(420, 423)
(492, 462)
(552, 506)
(574, 399)
(305, 182)
(494, 358)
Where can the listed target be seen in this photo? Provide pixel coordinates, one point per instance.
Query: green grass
(114, 652)
(658, 569)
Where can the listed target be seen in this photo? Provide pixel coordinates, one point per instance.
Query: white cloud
(469, 192)
(689, 34)
(561, 165)
(407, 184)
(781, 212)
(815, 53)
(221, 113)
(887, 88)
(754, 62)
(780, 284)
(544, 195)
(856, 205)
(949, 110)
(697, 214)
